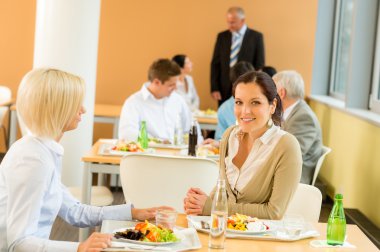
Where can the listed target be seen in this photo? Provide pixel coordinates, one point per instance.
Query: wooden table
(207, 123)
(106, 113)
(354, 234)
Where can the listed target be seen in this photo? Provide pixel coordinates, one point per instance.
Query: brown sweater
(270, 190)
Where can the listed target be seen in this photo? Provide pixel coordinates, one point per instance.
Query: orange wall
(17, 22)
(134, 33)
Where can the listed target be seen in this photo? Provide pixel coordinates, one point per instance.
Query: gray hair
(238, 10)
(292, 82)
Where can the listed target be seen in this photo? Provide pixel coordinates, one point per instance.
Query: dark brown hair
(268, 88)
(180, 60)
(163, 70)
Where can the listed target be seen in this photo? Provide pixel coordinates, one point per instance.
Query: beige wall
(353, 165)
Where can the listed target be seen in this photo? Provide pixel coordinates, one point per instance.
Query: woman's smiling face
(252, 108)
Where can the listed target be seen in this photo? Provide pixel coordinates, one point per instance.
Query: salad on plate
(146, 233)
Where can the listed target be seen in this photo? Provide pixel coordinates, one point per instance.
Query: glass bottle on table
(336, 225)
(219, 212)
(178, 132)
(193, 138)
(143, 136)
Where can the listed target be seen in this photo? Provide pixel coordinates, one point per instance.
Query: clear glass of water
(293, 225)
(166, 218)
(217, 229)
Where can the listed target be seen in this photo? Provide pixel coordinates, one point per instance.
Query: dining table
(354, 235)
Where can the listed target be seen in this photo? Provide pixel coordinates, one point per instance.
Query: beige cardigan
(270, 190)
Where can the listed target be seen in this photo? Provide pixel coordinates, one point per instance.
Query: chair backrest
(150, 180)
(5, 94)
(325, 150)
(307, 202)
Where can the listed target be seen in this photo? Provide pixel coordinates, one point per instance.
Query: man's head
(163, 75)
(239, 69)
(235, 18)
(290, 85)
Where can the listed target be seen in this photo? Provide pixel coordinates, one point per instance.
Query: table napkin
(323, 244)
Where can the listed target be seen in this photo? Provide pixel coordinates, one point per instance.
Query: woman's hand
(96, 242)
(194, 201)
(147, 213)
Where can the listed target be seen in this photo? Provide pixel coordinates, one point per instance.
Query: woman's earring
(269, 123)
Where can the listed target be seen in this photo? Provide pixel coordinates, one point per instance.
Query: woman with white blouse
(31, 193)
(260, 163)
(185, 84)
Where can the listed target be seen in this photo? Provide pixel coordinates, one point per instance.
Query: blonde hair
(48, 99)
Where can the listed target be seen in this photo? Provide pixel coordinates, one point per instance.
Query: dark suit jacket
(304, 125)
(251, 50)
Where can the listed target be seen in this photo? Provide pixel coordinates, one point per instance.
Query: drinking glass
(166, 218)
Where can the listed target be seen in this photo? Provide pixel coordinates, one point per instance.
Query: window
(375, 96)
(341, 50)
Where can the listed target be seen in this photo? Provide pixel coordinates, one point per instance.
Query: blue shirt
(226, 117)
(32, 195)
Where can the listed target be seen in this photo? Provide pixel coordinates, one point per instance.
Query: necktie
(235, 48)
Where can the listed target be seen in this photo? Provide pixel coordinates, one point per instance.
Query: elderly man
(156, 104)
(300, 120)
(238, 43)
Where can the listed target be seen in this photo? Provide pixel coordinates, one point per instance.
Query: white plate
(105, 149)
(141, 242)
(203, 114)
(167, 146)
(263, 230)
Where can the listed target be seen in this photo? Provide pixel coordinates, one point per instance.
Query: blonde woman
(31, 193)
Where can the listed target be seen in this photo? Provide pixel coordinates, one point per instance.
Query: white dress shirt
(160, 115)
(289, 110)
(32, 195)
(191, 96)
(260, 152)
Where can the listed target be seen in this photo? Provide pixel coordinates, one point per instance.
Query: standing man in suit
(238, 43)
(300, 120)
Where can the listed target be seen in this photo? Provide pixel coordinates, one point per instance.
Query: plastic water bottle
(143, 136)
(178, 132)
(219, 212)
(336, 225)
(193, 138)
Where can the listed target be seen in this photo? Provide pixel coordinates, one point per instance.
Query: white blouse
(260, 152)
(32, 195)
(191, 96)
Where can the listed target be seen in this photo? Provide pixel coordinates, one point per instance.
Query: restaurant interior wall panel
(134, 33)
(352, 167)
(17, 24)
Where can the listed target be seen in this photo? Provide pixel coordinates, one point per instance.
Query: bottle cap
(339, 196)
